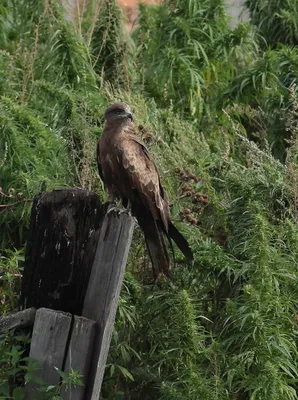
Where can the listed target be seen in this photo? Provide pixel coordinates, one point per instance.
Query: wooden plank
(64, 230)
(104, 289)
(21, 319)
(48, 346)
(79, 354)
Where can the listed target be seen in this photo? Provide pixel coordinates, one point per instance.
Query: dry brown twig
(12, 195)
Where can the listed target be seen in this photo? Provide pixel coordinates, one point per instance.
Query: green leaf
(126, 373)
(19, 393)
(4, 388)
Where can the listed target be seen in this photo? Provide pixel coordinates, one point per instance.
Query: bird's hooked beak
(130, 116)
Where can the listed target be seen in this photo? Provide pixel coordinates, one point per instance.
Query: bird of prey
(129, 174)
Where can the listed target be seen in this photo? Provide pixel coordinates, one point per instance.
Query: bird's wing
(143, 177)
(99, 163)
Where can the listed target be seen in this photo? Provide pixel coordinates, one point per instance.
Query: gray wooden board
(79, 354)
(49, 340)
(21, 319)
(103, 290)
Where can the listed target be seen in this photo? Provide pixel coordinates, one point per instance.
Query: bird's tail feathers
(156, 245)
(169, 241)
(180, 241)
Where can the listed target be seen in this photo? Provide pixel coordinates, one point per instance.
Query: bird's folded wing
(143, 177)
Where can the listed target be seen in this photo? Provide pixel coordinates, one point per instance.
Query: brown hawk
(129, 174)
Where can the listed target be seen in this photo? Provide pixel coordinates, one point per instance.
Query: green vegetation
(218, 109)
(17, 369)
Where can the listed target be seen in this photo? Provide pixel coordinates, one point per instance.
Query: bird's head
(118, 112)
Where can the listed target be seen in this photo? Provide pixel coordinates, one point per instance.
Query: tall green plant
(276, 20)
(48, 109)
(263, 91)
(187, 52)
(111, 46)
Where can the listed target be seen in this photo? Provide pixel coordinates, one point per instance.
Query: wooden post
(103, 291)
(70, 238)
(64, 230)
(21, 319)
(49, 340)
(64, 342)
(79, 353)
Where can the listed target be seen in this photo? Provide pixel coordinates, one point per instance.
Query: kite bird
(129, 174)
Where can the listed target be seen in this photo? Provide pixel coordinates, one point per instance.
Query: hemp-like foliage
(186, 50)
(276, 19)
(218, 111)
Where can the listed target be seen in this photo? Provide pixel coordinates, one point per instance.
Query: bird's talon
(114, 209)
(117, 210)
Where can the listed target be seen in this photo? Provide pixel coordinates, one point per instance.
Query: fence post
(62, 238)
(103, 291)
(75, 261)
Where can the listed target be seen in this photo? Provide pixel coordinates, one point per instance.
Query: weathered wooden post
(63, 234)
(103, 292)
(75, 261)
